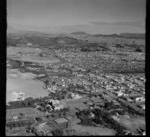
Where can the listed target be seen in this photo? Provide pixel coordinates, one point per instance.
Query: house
(75, 96)
(144, 133)
(19, 123)
(43, 129)
(8, 65)
(15, 117)
(140, 99)
(54, 88)
(51, 90)
(29, 44)
(126, 94)
(142, 106)
(56, 104)
(92, 115)
(48, 107)
(62, 122)
(115, 102)
(136, 97)
(58, 107)
(129, 99)
(119, 94)
(115, 117)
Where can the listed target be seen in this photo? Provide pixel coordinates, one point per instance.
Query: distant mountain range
(80, 33)
(122, 35)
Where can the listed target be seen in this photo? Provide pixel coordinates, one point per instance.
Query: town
(79, 101)
(75, 68)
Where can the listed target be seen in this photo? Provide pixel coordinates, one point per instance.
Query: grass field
(12, 53)
(31, 112)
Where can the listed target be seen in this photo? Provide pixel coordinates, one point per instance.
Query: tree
(138, 49)
(23, 104)
(57, 133)
(39, 119)
(28, 131)
(21, 114)
(29, 104)
(29, 99)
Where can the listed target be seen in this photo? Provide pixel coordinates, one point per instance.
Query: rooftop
(61, 120)
(43, 127)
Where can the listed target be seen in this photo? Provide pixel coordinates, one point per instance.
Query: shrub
(57, 133)
(138, 50)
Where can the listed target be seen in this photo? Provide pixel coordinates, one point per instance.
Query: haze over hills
(121, 35)
(79, 33)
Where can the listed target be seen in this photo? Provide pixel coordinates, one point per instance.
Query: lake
(30, 87)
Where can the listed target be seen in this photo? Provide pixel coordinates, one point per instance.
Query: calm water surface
(31, 88)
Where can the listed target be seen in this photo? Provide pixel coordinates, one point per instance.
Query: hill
(133, 35)
(79, 33)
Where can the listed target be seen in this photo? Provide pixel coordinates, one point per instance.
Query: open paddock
(28, 112)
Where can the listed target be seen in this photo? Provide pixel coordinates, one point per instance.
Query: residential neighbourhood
(76, 68)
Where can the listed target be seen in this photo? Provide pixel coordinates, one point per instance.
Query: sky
(66, 16)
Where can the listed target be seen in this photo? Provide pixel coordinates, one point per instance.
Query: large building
(43, 129)
(46, 128)
(21, 117)
(27, 112)
(19, 123)
(62, 122)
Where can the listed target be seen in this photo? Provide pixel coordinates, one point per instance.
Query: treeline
(100, 117)
(131, 107)
(93, 47)
(57, 95)
(135, 47)
(28, 102)
(79, 89)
